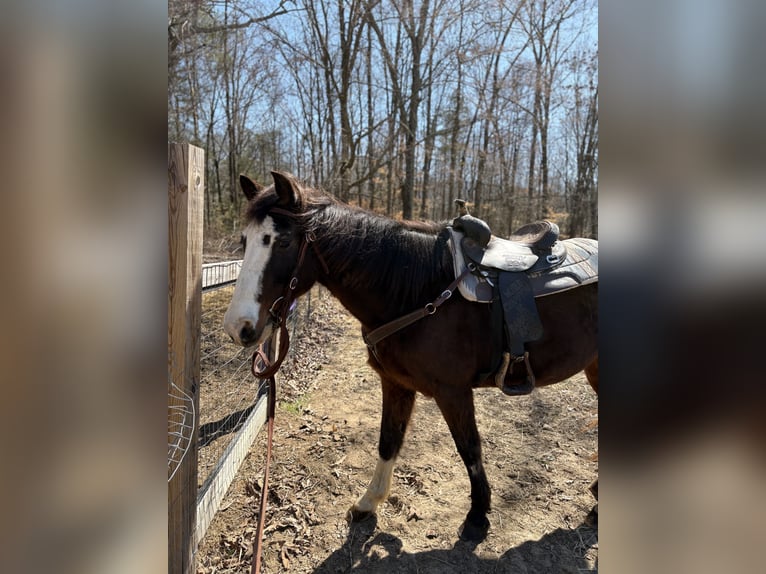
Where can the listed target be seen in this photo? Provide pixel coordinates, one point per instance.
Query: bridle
(280, 307)
(279, 311)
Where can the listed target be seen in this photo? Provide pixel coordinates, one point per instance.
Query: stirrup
(529, 382)
(500, 374)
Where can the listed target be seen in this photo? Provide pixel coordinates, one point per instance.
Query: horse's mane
(407, 260)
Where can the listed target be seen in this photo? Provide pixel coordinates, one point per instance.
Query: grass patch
(295, 407)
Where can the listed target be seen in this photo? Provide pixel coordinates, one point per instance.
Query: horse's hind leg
(397, 409)
(591, 373)
(458, 411)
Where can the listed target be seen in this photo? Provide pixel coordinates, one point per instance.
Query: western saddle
(531, 263)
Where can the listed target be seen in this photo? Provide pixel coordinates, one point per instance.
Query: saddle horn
(473, 227)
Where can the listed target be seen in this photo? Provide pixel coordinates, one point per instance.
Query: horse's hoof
(473, 532)
(356, 515)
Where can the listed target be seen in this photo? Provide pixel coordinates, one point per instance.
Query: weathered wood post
(186, 173)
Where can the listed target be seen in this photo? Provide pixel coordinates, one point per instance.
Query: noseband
(280, 308)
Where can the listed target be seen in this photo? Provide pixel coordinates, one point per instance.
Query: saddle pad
(472, 288)
(579, 268)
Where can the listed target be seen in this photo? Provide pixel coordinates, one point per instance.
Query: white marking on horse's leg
(377, 492)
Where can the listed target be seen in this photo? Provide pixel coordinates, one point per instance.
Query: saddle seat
(532, 248)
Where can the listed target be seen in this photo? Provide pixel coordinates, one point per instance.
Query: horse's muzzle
(241, 332)
(247, 334)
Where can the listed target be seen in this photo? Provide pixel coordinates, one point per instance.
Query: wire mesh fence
(228, 390)
(181, 418)
(231, 401)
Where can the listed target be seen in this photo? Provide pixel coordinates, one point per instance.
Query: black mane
(406, 260)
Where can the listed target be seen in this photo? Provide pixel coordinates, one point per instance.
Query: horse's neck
(362, 306)
(371, 296)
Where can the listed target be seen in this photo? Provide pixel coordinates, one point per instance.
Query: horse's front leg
(458, 411)
(397, 409)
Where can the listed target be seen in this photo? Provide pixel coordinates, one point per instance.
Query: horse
(379, 269)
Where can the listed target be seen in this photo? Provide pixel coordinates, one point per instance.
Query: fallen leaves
(325, 451)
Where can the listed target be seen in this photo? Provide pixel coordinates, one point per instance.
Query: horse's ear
(288, 189)
(249, 187)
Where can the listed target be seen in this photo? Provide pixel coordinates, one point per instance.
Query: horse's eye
(243, 241)
(266, 239)
(284, 243)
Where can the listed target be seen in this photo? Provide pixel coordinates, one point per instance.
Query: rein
(255, 566)
(279, 310)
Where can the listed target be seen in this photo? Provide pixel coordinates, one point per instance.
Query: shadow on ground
(367, 549)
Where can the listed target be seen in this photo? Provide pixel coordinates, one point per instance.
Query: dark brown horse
(381, 269)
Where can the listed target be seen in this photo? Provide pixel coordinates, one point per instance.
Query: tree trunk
(370, 122)
(455, 133)
(529, 212)
(512, 191)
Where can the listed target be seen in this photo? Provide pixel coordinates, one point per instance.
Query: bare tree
(584, 119)
(494, 80)
(543, 25)
(399, 106)
(417, 23)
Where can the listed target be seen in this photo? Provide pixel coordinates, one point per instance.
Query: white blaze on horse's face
(242, 320)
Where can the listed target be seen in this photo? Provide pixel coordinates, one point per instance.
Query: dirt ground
(538, 452)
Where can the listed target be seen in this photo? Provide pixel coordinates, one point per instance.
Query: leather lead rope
(255, 566)
(279, 311)
(268, 373)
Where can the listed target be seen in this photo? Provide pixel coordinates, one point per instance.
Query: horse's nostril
(247, 333)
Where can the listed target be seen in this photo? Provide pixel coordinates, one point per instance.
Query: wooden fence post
(186, 173)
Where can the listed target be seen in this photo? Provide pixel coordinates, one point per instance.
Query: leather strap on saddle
(373, 337)
(522, 322)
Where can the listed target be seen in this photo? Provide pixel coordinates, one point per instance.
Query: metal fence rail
(220, 274)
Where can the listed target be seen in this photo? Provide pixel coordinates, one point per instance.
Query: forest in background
(399, 107)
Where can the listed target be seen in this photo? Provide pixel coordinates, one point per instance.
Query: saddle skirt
(578, 266)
